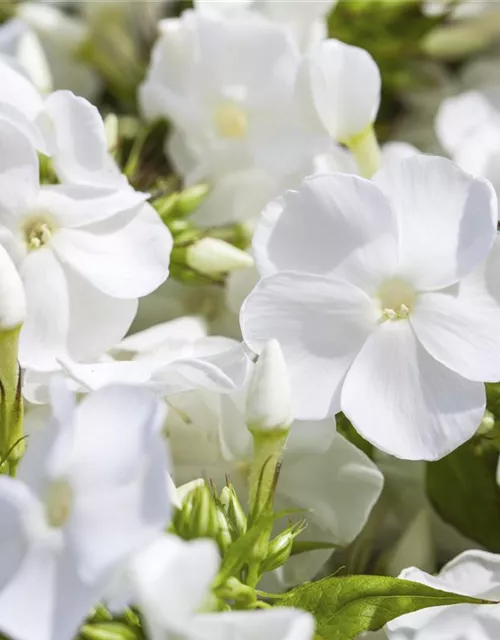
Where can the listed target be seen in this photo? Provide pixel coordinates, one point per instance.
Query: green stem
(11, 411)
(366, 150)
(268, 449)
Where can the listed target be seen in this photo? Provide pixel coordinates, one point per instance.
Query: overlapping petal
(405, 402)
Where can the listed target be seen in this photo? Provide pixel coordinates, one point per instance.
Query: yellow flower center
(396, 298)
(230, 120)
(37, 231)
(58, 503)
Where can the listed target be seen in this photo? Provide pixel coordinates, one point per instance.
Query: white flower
(233, 103)
(383, 303)
(172, 581)
(343, 84)
(473, 573)
(85, 254)
(84, 501)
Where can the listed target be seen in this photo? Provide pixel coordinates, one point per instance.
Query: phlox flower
(384, 297)
(472, 573)
(85, 255)
(85, 499)
(228, 86)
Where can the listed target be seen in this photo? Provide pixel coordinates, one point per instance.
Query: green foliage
(462, 488)
(392, 32)
(344, 607)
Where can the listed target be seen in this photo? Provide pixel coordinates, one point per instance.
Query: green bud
(235, 514)
(167, 207)
(199, 516)
(224, 536)
(190, 199)
(278, 551)
(109, 631)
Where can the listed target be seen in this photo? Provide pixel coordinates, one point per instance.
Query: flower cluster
(249, 356)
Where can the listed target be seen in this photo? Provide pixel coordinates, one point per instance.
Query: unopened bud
(12, 298)
(111, 131)
(269, 398)
(235, 514)
(190, 199)
(278, 551)
(199, 517)
(212, 256)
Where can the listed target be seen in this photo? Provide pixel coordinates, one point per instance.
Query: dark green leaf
(462, 488)
(344, 607)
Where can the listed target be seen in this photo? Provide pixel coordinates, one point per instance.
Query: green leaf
(462, 488)
(346, 606)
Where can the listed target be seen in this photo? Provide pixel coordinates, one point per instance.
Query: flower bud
(235, 514)
(280, 548)
(12, 298)
(111, 128)
(199, 516)
(190, 199)
(212, 256)
(278, 551)
(269, 398)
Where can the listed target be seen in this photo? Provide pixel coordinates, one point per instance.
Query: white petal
(28, 128)
(345, 86)
(406, 403)
(76, 206)
(15, 503)
(125, 263)
(19, 92)
(324, 483)
(18, 173)
(223, 372)
(460, 331)
(91, 377)
(317, 227)
(174, 333)
(308, 437)
(447, 219)
(271, 624)
(121, 499)
(97, 321)
(77, 141)
(57, 610)
(44, 334)
(474, 572)
(173, 578)
(461, 117)
(320, 323)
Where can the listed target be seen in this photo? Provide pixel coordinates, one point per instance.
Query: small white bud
(12, 297)
(213, 256)
(269, 398)
(111, 131)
